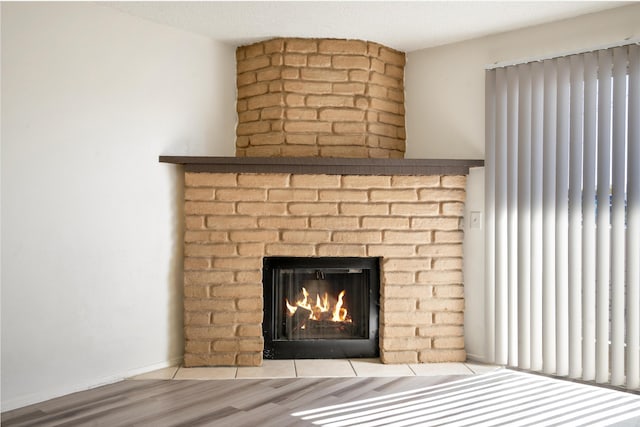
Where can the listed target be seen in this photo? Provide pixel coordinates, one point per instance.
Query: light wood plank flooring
(496, 398)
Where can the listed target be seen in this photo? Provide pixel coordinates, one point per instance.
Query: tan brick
(299, 151)
(263, 101)
(306, 236)
(402, 305)
(253, 90)
(198, 194)
(228, 222)
(301, 45)
(442, 195)
(449, 291)
(301, 114)
(441, 356)
(437, 250)
(344, 151)
(415, 209)
(249, 331)
(448, 342)
(392, 119)
(254, 236)
(263, 151)
(416, 181)
(396, 357)
(208, 208)
(406, 264)
(253, 64)
(290, 73)
(349, 88)
(406, 343)
(385, 223)
(208, 332)
(350, 61)
(364, 208)
(237, 291)
(398, 278)
(453, 208)
(325, 75)
(349, 127)
(196, 236)
(391, 56)
(435, 223)
(268, 74)
(444, 318)
(197, 346)
(351, 47)
(357, 181)
(288, 249)
(329, 101)
(341, 250)
(251, 344)
(413, 318)
(383, 105)
(357, 236)
(250, 249)
(377, 91)
(315, 181)
(261, 208)
(454, 181)
(295, 60)
(447, 264)
(394, 71)
(441, 331)
(242, 105)
(283, 222)
(301, 139)
(343, 195)
(377, 65)
(391, 196)
(199, 304)
(313, 208)
(398, 331)
(437, 277)
(341, 140)
(207, 277)
(448, 236)
(384, 80)
(392, 143)
(246, 78)
(391, 250)
(272, 46)
(341, 115)
(249, 304)
(441, 304)
(196, 250)
(272, 113)
(196, 264)
(396, 95)
(198, 179)
(359, 76)
(212, 359)
(225, 345)
(307, 87)
(319, 61)
(249, 359)
(252, 128)
(407, 291)
(334, 223)
(267, 139)
(307, 126)
(235, 263)
(382, 129)
(196, 292)
(249, 276)
(247, 116)
(406, 237)
(241, 194)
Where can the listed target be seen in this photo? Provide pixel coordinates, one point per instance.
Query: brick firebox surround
(413, 223)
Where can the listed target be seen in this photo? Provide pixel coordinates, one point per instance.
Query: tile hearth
(317, 368)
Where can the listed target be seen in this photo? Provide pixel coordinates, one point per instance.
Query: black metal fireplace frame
(320, 348)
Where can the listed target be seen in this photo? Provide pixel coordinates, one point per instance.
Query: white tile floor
(314, 368)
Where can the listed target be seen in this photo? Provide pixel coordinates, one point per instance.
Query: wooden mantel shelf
(323, 165)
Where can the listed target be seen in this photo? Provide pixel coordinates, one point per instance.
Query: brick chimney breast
(320, 98)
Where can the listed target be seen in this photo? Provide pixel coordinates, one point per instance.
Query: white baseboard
(30, 399)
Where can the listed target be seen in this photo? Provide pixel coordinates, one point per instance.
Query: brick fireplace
(319, 173)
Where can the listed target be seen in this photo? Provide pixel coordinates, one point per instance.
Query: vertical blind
(562, 223)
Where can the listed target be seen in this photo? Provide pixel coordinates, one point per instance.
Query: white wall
(91, 227)
(445, 85)
(445, 113)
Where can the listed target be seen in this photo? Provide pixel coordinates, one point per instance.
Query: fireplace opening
(320, 308)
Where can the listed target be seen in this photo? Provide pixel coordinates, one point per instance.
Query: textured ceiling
(403, 25)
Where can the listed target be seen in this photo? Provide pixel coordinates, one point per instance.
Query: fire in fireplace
(320, 307)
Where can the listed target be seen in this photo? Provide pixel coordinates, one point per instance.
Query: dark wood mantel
(320, 165)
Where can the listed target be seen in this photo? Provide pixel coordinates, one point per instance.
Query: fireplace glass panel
(321, 307)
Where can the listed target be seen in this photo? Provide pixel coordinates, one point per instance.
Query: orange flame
(320, 306)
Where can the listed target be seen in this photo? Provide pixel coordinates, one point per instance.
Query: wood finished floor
(498, 398)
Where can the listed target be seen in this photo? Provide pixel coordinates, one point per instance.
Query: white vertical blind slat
(633, 222)
(537, 87)
(589, 220)
(562, 220)
(602, 213)
(548, 222)
(489, 210)
(575, 217)
(618, 167)
(512, 213)
(501, 267)
(524, 217)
